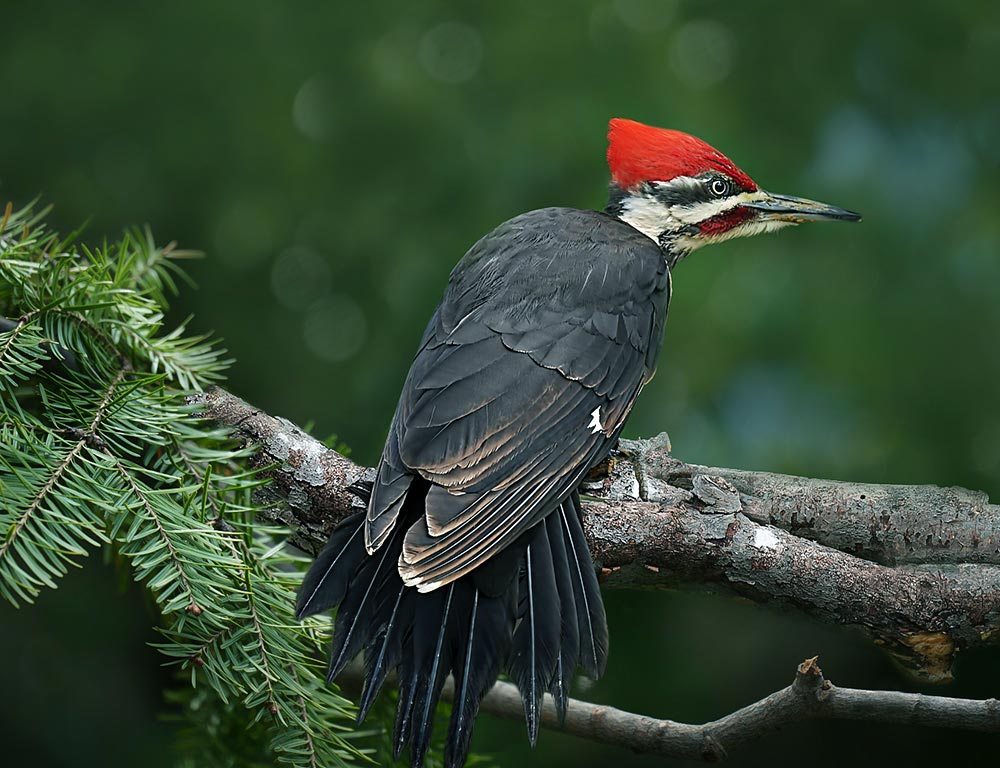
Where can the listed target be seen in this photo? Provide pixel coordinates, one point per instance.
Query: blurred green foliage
(335, 160)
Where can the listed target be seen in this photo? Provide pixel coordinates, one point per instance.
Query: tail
(533, 611)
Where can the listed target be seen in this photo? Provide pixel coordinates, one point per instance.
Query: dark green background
(335, 160)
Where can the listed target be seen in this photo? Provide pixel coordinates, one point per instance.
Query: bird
(470, 559)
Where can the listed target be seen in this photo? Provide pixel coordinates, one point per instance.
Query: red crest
(638, 153)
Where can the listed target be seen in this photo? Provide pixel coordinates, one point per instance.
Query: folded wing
(517, 391)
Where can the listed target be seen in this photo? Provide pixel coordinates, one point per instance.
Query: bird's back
(471, 558)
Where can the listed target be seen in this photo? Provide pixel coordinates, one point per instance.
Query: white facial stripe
(679, 183)
(692, 214)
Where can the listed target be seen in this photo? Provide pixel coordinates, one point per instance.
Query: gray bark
(889, 524)
(809, 697)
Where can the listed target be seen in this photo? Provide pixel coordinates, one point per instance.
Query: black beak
(797, 210)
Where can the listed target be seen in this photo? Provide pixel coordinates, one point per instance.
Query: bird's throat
(650, 217)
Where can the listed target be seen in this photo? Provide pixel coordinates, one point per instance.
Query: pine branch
(176, 562)
(268, 676)
(27, 559)
(98, 447)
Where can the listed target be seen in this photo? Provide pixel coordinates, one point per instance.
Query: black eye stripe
(694, 190)
(683, 192)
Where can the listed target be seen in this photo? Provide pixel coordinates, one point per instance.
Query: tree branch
(918, 567)
(809, 697)
(655, 521)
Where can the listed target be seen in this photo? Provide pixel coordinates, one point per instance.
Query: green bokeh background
(334, 160)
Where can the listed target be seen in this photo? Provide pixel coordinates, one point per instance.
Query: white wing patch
(595, 421)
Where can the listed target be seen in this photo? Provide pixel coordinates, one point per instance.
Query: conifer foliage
(98, 449)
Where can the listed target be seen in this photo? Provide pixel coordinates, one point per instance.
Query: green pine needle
(99, 449)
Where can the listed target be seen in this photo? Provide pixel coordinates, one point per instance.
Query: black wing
(549, 328)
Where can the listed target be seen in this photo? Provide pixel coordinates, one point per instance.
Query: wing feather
(522, 383)
(497, 468)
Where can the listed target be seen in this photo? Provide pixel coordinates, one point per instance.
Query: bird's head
(684, 194)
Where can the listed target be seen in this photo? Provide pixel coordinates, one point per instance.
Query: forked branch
(809, 697)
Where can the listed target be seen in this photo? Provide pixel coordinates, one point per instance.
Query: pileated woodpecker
(471, 559)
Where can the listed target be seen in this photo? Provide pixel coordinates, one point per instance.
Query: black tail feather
(466, 702)
(559, 688)
(592, 621)
(404, 708)
(536, 606)
(484, 645)
(326, 582)
(358, 616)
(535, 651)
(433, 664)
(385, 653)
(569, 640)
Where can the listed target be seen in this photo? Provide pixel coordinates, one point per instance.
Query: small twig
(809, 697)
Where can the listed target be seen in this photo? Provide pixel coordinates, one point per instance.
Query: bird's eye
(720, 187)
